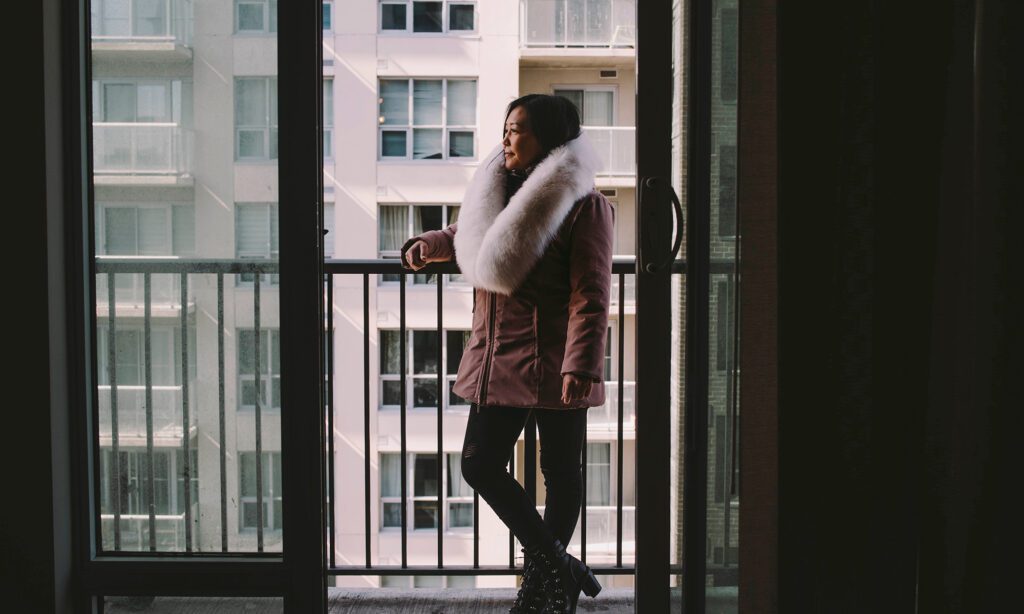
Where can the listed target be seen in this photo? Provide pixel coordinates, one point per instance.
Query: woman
(534, 238)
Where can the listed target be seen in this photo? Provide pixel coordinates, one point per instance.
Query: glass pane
(392, 227)
(393, 144)
(251, 102)
(170, 379)
(425, 392)
(392, 515)
(597, 109)
(426, 16)
(392, 392)
(424, 351)
(460, 144)
(392, 16)
(325, 19)
(425, 483)
(118, 102)
(425, 515)
(426, 102)
(390, 475)
(426, 218)
(723, 504)
(250, 17)
(457, 487)
(390, 351)
(460, 515)
(426, 144)
(456, 340)
(394, 102)
(461, 103)
(460, 17)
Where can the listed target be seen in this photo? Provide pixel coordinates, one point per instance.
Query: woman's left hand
(575, 388)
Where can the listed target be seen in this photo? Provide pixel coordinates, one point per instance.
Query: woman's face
(520, 144)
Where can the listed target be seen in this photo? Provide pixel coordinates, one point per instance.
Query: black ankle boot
(564, 577)
(531, 598)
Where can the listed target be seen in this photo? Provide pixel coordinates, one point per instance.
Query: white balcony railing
(617, 147)
(170, 532)
(578, 23)
(131, 411)
(142, 21)
(141, 149)
(606, 417)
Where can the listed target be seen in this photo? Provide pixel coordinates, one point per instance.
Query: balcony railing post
(221, 416)
(185, 443)
(114, 426)
(148, 375)
(257, 410)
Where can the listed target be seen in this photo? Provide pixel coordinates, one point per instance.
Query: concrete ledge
(457, 601)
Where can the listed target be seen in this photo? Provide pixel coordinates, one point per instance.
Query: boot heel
(591, 587)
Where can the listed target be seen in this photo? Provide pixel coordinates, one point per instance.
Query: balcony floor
(406, 601)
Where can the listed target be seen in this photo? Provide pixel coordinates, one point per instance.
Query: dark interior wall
(898, 308)
(35, 562)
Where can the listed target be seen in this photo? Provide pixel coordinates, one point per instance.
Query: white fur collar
(497, 246)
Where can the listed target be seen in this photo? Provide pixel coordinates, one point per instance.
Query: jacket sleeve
(590, 276)
(440, 243)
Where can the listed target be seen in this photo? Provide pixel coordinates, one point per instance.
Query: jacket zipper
(491, 315)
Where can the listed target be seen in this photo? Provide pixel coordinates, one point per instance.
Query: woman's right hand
(414, 256)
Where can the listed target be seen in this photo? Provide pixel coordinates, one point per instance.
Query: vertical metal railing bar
(185, 434)
(258, 407)
(147, 321)
(476, 529)
(619, 441)
(366, 415)
(583, 498)
(329, 385)
(402, 357)
(734, 474)
(441, 481)
(221, 416)
(530, 459)
(114, 435)
(511, 535)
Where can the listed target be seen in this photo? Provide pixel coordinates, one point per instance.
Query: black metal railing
(254, 270)
(182, 269)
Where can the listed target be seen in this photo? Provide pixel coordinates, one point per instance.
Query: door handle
(649, 188)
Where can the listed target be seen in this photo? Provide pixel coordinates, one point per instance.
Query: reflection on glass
(185, 168)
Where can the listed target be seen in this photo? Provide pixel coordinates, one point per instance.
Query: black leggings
(491, 435)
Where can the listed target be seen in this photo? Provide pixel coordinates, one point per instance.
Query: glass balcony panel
(579, 23)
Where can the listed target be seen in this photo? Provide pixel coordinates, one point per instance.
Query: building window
(421, 367)
(727, 191)
(596, 104)
(256, 118)
(599, 474)
(424, 482)
(328, 118)
(129, 353)
(256, 237)
(728, 61)
(269, 369)
(126, 19)
(255, 16)
(328, 13)
(271, 483)
(427, 119)
(143, 230)
(396, 223)
(435, 16)
(168, 484)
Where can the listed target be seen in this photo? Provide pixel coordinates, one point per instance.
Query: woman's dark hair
(553, 119)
